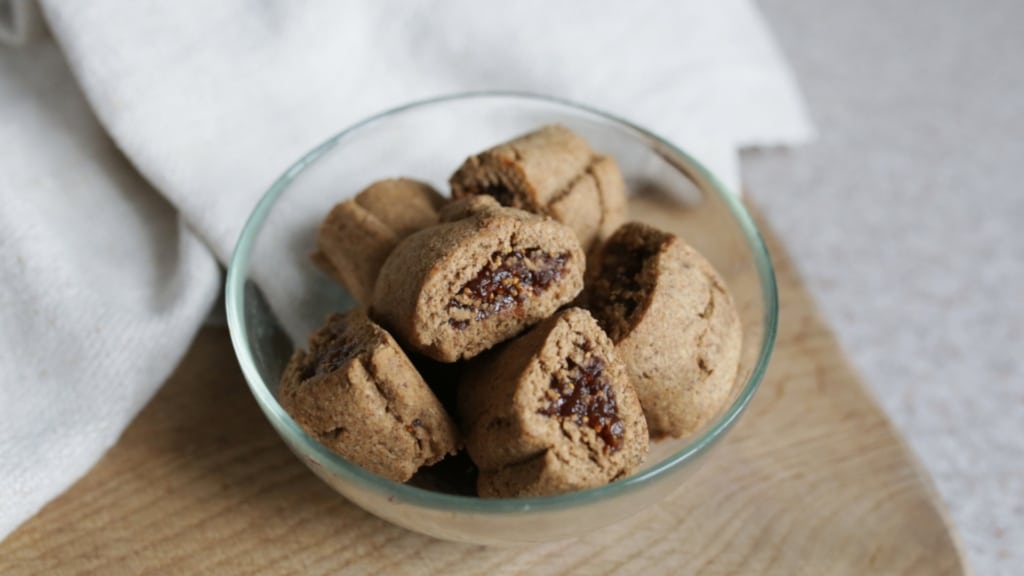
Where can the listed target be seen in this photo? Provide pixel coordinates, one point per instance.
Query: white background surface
(906, 217)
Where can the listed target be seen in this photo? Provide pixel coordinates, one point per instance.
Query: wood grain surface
(813, 480)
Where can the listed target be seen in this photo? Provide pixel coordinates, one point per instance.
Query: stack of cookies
(521, 322)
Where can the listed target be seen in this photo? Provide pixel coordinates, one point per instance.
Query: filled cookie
(456, 289)
(357, 235)
(562, 339)
(357, 393)
(552, 411)
(551, 171)
(673, 323)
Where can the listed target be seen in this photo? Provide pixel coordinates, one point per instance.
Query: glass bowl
(275, 296)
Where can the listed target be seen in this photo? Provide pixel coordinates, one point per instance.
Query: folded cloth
(105, 283)
(19, 21)
(102, 285)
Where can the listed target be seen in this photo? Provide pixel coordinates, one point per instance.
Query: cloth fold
(102, 285)
(211, 104)
(19, 22)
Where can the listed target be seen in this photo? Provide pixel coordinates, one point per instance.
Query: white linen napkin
(19, 22)
(104, 283)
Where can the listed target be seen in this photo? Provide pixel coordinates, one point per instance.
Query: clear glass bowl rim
(235, 302)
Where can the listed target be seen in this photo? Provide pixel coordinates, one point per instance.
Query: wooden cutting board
(813, 480)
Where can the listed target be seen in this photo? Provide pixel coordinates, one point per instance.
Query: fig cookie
(551, 171)
(552, 411)
(357, 235)
(673, 323)
(456, 289)
(357, 393)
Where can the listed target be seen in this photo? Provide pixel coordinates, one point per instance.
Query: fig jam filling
(583, 394)
(505, 283)
(332, 352)
(619, 294)
(503, 194)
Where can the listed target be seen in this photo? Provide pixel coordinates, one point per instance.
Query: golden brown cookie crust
(674, 324)
(552, 411)
(456, 289)
(357, 235)
(357, 393)
(551, 171)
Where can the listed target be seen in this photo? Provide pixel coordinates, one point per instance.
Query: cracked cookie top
(457, 289)
(673, 323)
(551, 412)
(553, 172)
(357, 393)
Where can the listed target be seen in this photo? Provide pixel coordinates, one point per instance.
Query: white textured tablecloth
(108, 272)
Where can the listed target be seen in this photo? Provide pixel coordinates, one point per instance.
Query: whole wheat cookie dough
(673, 323)
(552, 411)
(466, 207)
(357, 235)
(456, 289)
(551, 171)
(357, 393)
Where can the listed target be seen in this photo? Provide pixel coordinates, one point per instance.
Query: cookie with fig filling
(673, 322)
(357, 393)
(453, 290)
(550, 171)
(357, 235)
(552, 411)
